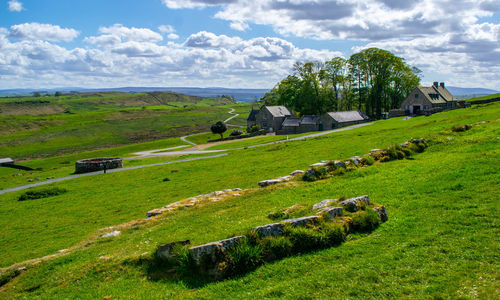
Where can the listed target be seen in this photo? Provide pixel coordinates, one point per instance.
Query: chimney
(441, 85)
(436, 84)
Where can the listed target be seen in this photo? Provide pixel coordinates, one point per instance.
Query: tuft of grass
(45, 193)
(460, 127)
(365, 220)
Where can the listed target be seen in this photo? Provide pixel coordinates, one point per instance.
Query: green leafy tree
(218, 128)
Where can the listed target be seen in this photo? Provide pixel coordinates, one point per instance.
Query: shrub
(365, 220)
(253, 129)
(276, 215)
(315, 174)
(369, 160)
(276, 247)
(333, 233)
(461, 127)
(244, 257)
(219, 128)
(236, 132)
(303, 239)
(45, 193)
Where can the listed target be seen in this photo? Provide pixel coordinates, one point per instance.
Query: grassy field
(441, 239)
(485, 97)
(51, 126)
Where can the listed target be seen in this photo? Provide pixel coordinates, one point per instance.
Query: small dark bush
(369, 160)
(276, 247)
(315, 174)
(461, 127)
(333, 233)
(276, 215)
(45, 193)
(303, 239)
(244, 257)
(365, 220)
(253, 129)
(385, 159)
(236, 132)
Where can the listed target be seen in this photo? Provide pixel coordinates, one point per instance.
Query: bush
(303, 239)
(253, 129)
(365, 220)
(236, 132)
(45, 193)
(461, 127)
(333, 233)
(276, 247)
(369, 160)
(315, 174)
(244, 257)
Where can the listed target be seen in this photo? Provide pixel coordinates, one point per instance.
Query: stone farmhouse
(431, 99)
(280, 120)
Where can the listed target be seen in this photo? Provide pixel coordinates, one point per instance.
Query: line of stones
(214, 252)
(355, 160)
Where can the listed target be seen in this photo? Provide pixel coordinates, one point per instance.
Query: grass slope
(440, 240)
(86, 122)
(497, 95)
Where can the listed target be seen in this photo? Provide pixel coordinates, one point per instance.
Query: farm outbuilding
(332, 120)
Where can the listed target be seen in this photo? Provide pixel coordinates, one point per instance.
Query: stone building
(429, 99)
(270, 118)
(251, 120)
(332, 120)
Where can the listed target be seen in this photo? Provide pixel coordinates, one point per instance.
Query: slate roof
(310, 120)
(253, 113)
(347, 116)
(291, 122)
(278, 111)
(437, 94)
(6, 160)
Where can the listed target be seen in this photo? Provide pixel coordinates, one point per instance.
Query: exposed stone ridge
(329, 165)
(287, 178)
(212, 258)
(192, 201)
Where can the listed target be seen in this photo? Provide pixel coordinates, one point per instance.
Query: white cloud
(421, 31)
(15, 5)
(172, 36)
(166, 29)
(132, 34)
(37, 31)
(203, 59)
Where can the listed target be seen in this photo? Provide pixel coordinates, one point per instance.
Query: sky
(238, 43)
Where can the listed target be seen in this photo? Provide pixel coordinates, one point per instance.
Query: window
(426, 107)
(416, 95)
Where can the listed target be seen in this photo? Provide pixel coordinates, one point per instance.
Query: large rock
(333, 211)
(318, 165)
(268, 182)
(353, 204)
(211, 259)
(270, 229)
(323, 203)
(165, 251)
(302, 221)
(339, 163)
(297, 173)
(382, 211)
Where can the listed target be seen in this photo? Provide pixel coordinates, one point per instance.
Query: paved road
(234, 115)
(18, 188)
(194, 150)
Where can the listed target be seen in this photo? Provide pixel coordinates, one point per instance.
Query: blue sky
(238, 43)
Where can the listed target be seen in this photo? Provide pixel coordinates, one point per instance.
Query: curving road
(198, 149)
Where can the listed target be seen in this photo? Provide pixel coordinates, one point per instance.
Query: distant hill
(241, 95)
(461, 92)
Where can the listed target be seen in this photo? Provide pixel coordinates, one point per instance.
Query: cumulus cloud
(169, 31)
(37, 31)
(422, 31)
(15, 5)
(119, 55)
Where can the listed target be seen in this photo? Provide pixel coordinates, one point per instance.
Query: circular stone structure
(98, 164)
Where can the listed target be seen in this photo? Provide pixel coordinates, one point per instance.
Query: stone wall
(98, 164)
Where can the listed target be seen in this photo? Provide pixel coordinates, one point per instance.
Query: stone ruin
(98, 164)
(210, 258)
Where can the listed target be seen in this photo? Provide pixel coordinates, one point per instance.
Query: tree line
(373, 80)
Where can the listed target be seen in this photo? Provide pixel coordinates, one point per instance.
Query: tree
(218, 128)
(57, 94)
(37, 94)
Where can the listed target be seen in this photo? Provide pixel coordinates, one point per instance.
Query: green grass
(497, 95)
(100, 120)
(440, 240)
